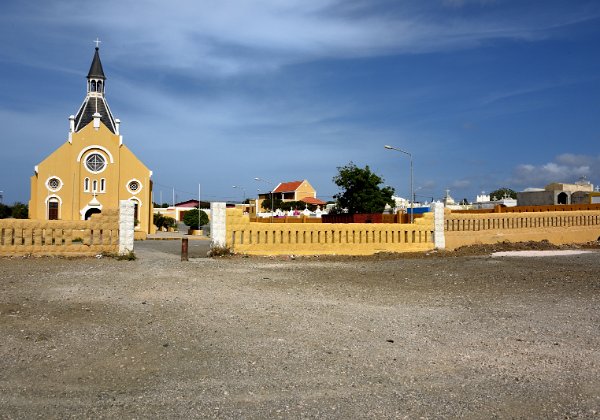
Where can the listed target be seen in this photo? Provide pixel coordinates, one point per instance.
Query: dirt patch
(435, 336)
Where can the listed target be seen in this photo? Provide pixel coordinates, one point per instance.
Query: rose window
(95, 162)
(53, 183)
(134, 186)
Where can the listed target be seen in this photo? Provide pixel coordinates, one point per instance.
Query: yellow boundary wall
(255, 238)
(557, 227)
(60, 238)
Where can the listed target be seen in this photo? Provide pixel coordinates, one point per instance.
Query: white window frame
(134, 192)
(60, 184)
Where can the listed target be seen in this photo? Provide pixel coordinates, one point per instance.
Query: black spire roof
(86, 112)
(96, 71)
(94, 101)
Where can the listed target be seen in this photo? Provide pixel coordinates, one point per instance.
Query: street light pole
(243, 191)
(412, 193)
(271, 185)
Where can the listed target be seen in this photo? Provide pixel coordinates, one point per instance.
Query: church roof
(90, 106)
(96, 70)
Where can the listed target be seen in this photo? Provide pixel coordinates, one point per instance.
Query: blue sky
(483, 93)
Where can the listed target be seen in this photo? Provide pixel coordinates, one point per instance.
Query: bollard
(184, 249)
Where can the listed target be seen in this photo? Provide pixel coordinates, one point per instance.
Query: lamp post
(412, 197)
(271, 185)
(243, 191)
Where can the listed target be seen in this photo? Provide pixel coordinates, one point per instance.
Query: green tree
(161, 221)
(20, 211)
(5, 211)
(501, 193)
(195, 218)
(266, 204)
(361, 191)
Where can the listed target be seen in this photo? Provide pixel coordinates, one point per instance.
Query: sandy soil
(447, 335)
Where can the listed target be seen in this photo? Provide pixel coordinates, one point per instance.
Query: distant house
(178, 211)
(581, 192)
(294, 191)
(290, 191)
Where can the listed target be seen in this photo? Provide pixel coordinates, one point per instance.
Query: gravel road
(436, 337)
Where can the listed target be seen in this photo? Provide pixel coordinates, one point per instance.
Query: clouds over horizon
(567, 168)
(228, 37)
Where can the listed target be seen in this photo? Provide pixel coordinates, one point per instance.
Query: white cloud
(229, 37)
(565, 168)
(461, 183)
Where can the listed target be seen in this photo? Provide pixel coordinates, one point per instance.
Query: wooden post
(184, 249)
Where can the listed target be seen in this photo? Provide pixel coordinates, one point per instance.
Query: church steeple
(96, 76)
(94, 107)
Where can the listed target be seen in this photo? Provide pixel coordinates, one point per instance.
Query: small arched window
(99, 87)
(93, 86)
(53, 209)
(86, 185)
(95, 185)
(102, 185)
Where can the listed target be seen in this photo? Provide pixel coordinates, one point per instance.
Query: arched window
(93, 86)
(103, 185)
(95, 185)
(99, 88)
(86, 185)
(53, 209)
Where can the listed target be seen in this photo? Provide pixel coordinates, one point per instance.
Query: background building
(580, 192)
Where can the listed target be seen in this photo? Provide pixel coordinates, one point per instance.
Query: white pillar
(218, 231)
(126, 226)
(96, 117)
(439, 238)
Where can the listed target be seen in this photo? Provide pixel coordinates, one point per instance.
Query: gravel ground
(441, 336)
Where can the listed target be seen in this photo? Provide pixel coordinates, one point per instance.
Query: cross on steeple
(97, 41)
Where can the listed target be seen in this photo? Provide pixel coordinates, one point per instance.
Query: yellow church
(93, 170)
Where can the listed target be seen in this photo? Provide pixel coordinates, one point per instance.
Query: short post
(184, 249)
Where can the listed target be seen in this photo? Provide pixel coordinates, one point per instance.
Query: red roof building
(292, 191)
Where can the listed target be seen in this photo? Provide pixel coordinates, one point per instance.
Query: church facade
(93, 170)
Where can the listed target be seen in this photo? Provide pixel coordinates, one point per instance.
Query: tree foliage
(501, 193)
(361, 192)
(286, 205)
(5, 211)
(161, 221)
(195, 218)
(17, 211)
(266, 204)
